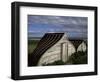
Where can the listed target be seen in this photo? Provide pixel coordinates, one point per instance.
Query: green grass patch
(59, 62)
(78, 58)
(32, 45)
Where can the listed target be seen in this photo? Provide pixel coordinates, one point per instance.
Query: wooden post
(63, 52)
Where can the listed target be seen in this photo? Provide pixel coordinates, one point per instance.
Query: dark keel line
(47, 41)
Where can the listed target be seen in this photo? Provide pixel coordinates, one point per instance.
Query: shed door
(64, 54)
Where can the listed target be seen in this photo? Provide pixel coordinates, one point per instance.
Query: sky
(74, 27)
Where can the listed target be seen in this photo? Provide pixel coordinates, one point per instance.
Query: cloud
(73, 26)
(57, 20)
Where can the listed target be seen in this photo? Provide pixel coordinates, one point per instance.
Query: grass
(59, 62)
(75, 58)
(32, 45)
(78, 58)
